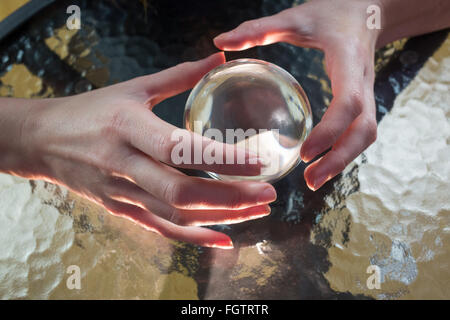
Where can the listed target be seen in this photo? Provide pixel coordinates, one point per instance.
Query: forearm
(405, 18)
(16, 155)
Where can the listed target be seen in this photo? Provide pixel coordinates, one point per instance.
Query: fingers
(340, 114)
(184, 149)
(180, 191)
(349, 125)
(125, 191)
(257, 32)
(175, 80)
(356, 139)
(348, 79)
(195, 235)
(211, 217)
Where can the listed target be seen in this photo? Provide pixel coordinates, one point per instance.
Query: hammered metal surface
(313, 245)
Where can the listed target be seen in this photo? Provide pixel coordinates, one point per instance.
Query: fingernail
(267, 210)
(307, 156)
(319, 181)
(258, 212)
(267, 195)
(305, 159)
(223, 244)
(265, 213)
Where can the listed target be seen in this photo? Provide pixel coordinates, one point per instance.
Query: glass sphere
(259, 99)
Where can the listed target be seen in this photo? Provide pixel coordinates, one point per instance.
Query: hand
(339, 29)
(109, 147)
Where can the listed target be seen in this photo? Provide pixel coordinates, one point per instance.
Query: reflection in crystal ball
(259, 99)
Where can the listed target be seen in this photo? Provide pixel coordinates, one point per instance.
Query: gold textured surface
(19, 82)
(117, 259)
(78, 53)
(9, 6)
(120, 260)
(400, 217)
(60, 41)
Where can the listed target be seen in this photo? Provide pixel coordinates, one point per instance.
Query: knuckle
(123, 167)
(370, 126)
(174, 216)
(252, 26)
(173, 194)
(187, 65)
(355, 46)
(109, 165)
(163, 146)
(177, 217)
(355, 103)
(116, 122)
(369, 71)
(332, 132)
(103, 159)
(110, 188)
(236, 199)
(341, 161)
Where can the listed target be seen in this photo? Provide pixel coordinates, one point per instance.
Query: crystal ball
(255, 105)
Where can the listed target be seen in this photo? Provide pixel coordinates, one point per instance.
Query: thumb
(167, 83)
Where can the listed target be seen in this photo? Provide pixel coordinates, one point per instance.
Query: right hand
(108, 146)
(339, 29)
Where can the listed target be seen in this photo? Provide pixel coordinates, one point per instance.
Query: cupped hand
(108, 146)
(339, 29)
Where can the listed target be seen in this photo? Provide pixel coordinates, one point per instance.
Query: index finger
(259, 32)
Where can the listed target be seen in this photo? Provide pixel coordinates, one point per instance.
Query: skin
(339, 29)
(108, 146)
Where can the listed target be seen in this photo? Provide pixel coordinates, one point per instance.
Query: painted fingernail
(307, 156)
(264, 213)
(319, 181)
(259, 212)
(223, 244)
(267, 210)
(267, 195)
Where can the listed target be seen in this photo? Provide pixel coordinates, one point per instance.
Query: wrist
(406, 18)
(20, 118)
